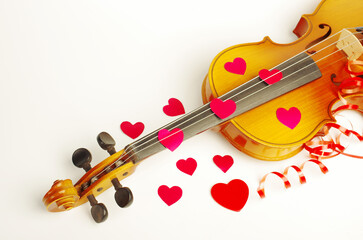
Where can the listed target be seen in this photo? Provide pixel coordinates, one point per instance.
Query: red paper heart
(187, 166)
(170, 195)
(270, 77)
(290, 118)
(232, 196)
(174, 108)
(223, 109)
(133, 131)
(224, 163)
(171, 140)
(238, 66)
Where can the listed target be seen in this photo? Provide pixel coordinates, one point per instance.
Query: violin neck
(297, 71)
(191, 123)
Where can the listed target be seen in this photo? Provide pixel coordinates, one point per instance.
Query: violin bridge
(350, 44)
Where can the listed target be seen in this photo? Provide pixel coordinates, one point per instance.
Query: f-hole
(316, 41)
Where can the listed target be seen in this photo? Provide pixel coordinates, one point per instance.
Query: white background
(71, 69)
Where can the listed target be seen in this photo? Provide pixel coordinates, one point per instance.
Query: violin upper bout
(61, 197)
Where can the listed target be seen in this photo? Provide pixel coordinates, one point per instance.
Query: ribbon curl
(283, 176)
(323, 149)
(333, 147)
(261, 187)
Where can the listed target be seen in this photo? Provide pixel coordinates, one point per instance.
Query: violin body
(258, 132)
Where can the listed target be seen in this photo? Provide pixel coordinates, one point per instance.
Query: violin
(282, 95)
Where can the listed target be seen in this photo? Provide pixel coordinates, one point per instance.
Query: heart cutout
(170, 195)
(174, 108)
(232, 196)
(223, 109)
(132, 130)
(270, 77)
(187, 166)
(238, 66)
(171, 140)
(290, 118)
(224, 163)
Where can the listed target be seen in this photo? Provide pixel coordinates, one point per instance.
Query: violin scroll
(61, 197)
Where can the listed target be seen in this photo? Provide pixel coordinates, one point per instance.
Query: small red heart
(133, 131)
(170, 195)
(224, 163)
(187, 166)
(171, 140)
(223, 109)
(290, 118)
(174, 108)
(238, 66)
(270, 77)
(232, 196)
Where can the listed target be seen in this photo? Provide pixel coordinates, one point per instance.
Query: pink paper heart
(270, 77)
(238, 66)
(187, 166)
(224, 163)
(171, 140)
(170, 195)
(289, 118)
(174, 108)
(132, 130)
(223, 109)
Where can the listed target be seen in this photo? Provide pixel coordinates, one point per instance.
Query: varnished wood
(54, 198)
(258, 132)
(61, 197)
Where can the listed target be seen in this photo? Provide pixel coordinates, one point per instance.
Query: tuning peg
(81, 158)
(123, 195)
(99, 211)
(106, 142)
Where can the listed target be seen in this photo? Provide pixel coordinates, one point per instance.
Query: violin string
(256, 83)
(314, 46)
(125, 151)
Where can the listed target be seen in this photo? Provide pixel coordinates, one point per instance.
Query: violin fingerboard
(296, 71)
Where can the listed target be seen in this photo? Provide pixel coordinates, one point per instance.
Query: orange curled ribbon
(351, 85)
(333, 147)
(346, 107)
(261, 187)
(323, 168)
(354, 84)
(299, 171)
(322, 149)
(349, 65)
(302, 178)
